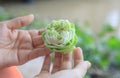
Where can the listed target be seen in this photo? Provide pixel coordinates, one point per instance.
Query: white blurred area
(113, 18)
(97, 12)
(32, 68)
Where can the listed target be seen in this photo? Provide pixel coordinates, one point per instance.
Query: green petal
(60, 36)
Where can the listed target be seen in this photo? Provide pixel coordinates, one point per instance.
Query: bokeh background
(97, 26)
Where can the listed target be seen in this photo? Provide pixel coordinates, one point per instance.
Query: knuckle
(20, 21)
(56, 66)
(67, 58)
(66, 65)
(46, 49)
(58, 55)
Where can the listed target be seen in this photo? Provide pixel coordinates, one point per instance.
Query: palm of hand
(17, 42)
(19, 46)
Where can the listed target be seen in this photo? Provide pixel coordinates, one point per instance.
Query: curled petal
(60, 36)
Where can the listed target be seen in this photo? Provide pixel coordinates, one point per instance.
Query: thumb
(82, 68)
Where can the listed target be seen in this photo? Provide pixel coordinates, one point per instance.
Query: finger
(57, 62)
(20, 22)
(36, 36)
(82, 68)
(78, 56)
(38, 42)
(36, 32)
(38, 52)
(46, 64)
(45, 68)
(67, 61)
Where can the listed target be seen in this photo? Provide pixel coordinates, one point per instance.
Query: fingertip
(78, 54)
(83, 68)
(28, 19)
(78, 49)
(88, 64)
(31, 15)
(20, 22)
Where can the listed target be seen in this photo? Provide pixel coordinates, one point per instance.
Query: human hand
(62, 67)
(19, 46)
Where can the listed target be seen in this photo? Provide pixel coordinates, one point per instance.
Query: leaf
(108, 28)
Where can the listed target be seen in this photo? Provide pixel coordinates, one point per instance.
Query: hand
(19, 46)
(62, 67)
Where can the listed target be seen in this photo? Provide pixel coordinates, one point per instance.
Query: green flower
(60, 36)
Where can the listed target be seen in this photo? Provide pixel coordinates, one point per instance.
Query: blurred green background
(97, 27)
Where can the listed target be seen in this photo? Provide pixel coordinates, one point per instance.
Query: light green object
(60, 36)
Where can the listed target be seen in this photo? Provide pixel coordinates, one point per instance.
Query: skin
(62, 67)
(19, 46)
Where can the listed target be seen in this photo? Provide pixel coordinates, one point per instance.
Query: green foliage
(101, 49)
(37, 24)
(4, 15)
